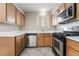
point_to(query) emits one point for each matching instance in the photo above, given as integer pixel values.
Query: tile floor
(37, 52)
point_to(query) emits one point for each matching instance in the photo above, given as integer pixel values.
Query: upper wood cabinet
(54, 19)
(18, 17)
(11, 13)
(77, 11)
(66, 5)
(61, 8)
(2, 12)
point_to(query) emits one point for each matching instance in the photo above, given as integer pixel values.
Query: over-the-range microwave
(67, 15)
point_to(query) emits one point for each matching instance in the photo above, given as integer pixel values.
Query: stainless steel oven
(58, 46)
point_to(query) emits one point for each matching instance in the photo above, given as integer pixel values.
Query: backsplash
(8, 27)
(69, 26)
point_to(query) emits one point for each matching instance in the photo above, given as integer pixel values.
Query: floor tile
(37, 52)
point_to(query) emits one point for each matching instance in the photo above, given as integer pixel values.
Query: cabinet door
(77, 11)
(23, 20)
(18, 18)
(47, 40)
(40, 40)
(61, 8)
(54, 19)
(7, 46)
(18, 45)
(2, 12)
(11, 13)
(66, 5)
(72, 52)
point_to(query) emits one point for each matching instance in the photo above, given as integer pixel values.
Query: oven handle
(58, 40)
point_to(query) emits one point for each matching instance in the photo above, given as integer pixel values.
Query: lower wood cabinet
(72, 52)
(40, 40)
(47, 40)
(7, 46)
(44, 40)
(18, 45)
(12, 46)
(72, 48)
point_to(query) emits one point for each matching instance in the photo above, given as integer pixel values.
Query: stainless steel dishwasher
(32, 39)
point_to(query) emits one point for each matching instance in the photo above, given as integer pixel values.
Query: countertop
(74, 38)
(17, 33)
(11, 33)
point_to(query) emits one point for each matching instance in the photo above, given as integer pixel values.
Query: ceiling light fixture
(43, 12)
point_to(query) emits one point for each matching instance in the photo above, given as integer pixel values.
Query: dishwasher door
(32, 40)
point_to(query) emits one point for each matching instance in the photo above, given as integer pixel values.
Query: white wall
(32, 21)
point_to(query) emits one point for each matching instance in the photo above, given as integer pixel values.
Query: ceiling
(37, 7)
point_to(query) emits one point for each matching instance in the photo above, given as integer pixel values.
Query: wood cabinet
(44, 40)
(61, 8)
(11, 13)
(66, 5)
(77, 11)
(18, 17)
(72, 48)
(40, 40)
(18, 45)
(2, 12)
(54, 19)
(47, 39)
(7, 46)
(72, 52)
(12, 46)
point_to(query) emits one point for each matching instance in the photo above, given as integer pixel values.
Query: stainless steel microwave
(67, 15)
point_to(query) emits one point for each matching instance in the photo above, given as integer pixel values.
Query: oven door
(58, 46)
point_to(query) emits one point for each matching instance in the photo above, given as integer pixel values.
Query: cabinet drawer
(73, 44)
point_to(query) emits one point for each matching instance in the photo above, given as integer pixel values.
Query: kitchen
(39, 29)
